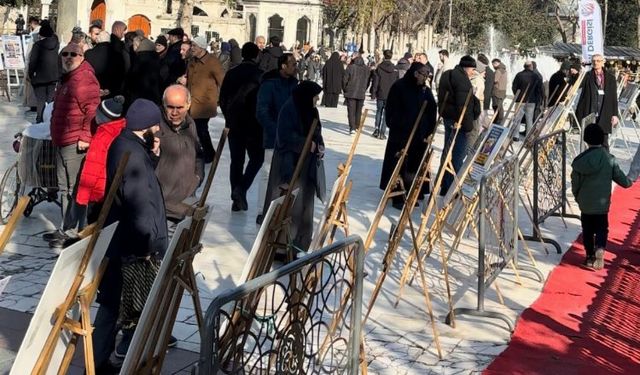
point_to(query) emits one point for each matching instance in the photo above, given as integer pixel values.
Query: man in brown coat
(204, 78)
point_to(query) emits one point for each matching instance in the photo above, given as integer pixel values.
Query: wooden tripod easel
(16, 215)
(336, 215)
(78, 296)
(148, 348)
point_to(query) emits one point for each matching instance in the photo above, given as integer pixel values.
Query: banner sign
(591, 29)
(12, 50)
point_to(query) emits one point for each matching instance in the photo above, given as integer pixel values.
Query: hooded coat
(403, 66)
(238, 99)
(454, 85)
(384, 76)
(236, 54)
(356, 80)
(44, 62)
(588, 102)
(591, 176)
(402, 108)
(332, 74)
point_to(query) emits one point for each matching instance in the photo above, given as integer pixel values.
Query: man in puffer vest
(75, 103)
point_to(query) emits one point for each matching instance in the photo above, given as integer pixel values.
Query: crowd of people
(119, 93)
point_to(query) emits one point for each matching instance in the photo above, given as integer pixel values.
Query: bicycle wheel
(10, 189)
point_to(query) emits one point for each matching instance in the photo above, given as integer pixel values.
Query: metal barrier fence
(549, 183)
(302, 318)
(498, 232)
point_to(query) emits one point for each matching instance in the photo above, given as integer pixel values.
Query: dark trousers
(595, 230)
(498, 107)
(354, 111)
(381, 124)
(68, 164)
(239, 145)
(457, 156)
(44, 94)
(202, 127)
(105, 330)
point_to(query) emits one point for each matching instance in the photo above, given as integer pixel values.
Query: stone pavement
(398, 340)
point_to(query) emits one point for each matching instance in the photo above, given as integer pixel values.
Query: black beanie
(161, 39)
(46, 31)
(593, 135)
(109, 109)
(250, 51)
(142, 115)
(467, 61)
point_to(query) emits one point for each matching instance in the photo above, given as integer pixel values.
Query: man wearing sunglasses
(75, 103)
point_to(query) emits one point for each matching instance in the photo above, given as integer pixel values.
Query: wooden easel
(155, 331)
(80, 296)
(336, 216)
(11, 225)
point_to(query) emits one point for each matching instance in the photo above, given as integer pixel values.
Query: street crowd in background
(117, 92)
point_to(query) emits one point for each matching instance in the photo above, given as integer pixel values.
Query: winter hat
(250, 51)
(467, 62)
(145, 46)
(225, 47)
(480, 67)
(593, 135)
(109, 109)
(45, 30)
(162, 40)
(566, 65)
(142, 115)
(178, 31)
(408, 55)
(200, 41)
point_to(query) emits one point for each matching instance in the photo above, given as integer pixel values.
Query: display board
(12, 51)
(489, 148)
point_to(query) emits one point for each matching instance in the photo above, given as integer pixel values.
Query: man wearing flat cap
(453, 88)
(204, 78)
(141, 238)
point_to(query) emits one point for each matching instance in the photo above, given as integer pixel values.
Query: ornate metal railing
(498, 232)
(549, 183)
(304, 318)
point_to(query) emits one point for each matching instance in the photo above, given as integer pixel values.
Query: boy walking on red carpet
(593, 171)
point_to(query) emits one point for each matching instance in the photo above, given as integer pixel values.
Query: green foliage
(622, 23)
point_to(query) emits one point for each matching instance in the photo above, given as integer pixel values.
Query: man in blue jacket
(276, 88)
(140, 239)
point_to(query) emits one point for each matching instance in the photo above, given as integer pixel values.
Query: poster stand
(150, 341)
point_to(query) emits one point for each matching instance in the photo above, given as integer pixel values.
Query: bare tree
(185, 15)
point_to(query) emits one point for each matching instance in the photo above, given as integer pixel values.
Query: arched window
(99, 12)
(199, 12)
(302, 30)
(139, 22)
(276, 27)
(252, 27)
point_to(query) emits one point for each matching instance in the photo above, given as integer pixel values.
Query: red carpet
(585, 322)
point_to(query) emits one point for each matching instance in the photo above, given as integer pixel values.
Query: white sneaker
(599, 262)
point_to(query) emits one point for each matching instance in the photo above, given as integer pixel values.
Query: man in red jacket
(75, 103)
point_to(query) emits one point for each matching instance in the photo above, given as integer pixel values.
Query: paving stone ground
(397, 340)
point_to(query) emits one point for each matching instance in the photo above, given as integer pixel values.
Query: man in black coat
(99, 57)
(119, 60)
(174, 66)
(489, 78)
(558, 84)
(141, 235)
(599, 96)
(405, 99)
(453, 89)
(354, 85)
(384, 76)
(143, 79)
(270, 55)
(528, 85)
(44, 67)
(238, 96)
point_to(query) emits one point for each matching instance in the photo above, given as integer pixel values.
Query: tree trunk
(604, 22)
(185, 16)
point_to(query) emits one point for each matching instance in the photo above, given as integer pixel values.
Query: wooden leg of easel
(498, 292)
(195, 296)
(68, 356)
(363, 358)
(87, 340)
(16, 215)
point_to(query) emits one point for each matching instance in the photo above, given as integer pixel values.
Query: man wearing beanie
(140, 240)
(43, 68)
(453, 88)
(238, 97)
(161, 46)
(204, 78)
(75, 103)
(558, 84)
(591, 176)
(93, 177)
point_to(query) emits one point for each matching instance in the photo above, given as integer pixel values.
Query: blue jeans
(529, 114)
(381, 123)
(458, 153)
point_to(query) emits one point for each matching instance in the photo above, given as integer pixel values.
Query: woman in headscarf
(236, 54)
(332, 74)
(294, 123)
(405, 99)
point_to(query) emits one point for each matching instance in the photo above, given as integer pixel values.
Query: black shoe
(62, 243)
(236, 196)
(516, 139)
(55, 235)
(235, 206)
(351, 131)
(123, 346)
(375, 134)
(588, 262)
(108, 368)
(259, 219)
(382, 136)
(173, 342)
